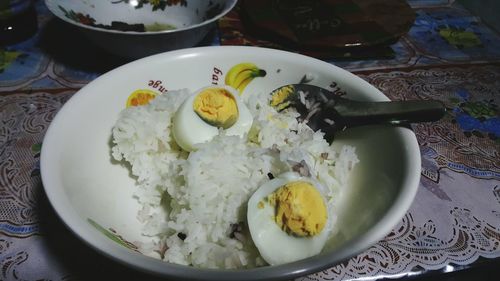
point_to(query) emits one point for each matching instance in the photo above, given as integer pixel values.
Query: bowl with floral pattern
(138, 28)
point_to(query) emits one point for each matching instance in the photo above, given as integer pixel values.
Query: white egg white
(275, 245)
(189, 129)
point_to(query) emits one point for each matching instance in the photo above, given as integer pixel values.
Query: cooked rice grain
(201, 195)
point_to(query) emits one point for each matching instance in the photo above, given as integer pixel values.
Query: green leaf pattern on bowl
(78, 17)
(111, 234)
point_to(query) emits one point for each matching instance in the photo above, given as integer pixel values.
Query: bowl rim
(229, 5)
(55, 194)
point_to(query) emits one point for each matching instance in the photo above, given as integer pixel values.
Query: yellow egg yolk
(300, 209)
(279, 97)
(217, 107)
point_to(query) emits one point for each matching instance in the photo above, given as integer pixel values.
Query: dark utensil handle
(355, 113)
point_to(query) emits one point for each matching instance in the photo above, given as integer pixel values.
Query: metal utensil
(325, 110)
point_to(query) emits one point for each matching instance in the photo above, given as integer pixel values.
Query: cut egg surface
(288, 218)
(208, 110)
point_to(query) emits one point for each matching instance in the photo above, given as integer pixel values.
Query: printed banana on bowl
(240, 75)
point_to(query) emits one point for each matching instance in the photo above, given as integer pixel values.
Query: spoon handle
(355, 113)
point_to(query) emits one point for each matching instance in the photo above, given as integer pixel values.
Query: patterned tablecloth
(448, 54)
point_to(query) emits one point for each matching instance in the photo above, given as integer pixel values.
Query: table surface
(453, 223)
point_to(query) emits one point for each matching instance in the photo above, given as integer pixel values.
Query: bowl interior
(159, 16)
(93, 194)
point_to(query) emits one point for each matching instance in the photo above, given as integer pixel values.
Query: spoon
(325, 110)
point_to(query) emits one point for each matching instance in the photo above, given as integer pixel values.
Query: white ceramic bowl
(182, 23)
(91, 194)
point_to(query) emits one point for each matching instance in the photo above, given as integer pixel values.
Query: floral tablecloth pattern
(448, 54)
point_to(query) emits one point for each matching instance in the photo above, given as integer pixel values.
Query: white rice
(200, 195)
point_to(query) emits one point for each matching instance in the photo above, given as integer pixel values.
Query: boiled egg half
(209, 109)
(288, 219)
